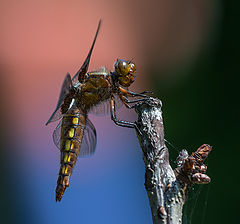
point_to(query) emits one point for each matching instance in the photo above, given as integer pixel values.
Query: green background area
(203, 107)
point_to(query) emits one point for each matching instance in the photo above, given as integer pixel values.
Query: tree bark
(166, 188)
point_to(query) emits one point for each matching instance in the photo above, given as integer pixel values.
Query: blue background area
(107, 187)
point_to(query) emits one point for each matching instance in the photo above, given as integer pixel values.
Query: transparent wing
(103, 108)
(67, 84)
(89, 140)
(84, 67)
(57, 135)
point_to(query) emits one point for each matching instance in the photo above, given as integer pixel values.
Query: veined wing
(103, 108)
(67, 84)
(83, 70)
(89, 142)
(88, 145)
(57, 135)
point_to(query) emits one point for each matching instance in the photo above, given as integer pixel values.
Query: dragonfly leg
(149, 92)
(134, 101)
(126, 101)
(122, 123)
(130, 93)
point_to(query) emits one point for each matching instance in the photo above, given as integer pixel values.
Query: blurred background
(185, 51)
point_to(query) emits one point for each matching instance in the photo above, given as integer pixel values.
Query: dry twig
(166, 188)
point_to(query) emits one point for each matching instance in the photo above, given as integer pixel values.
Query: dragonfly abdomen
(72, 131)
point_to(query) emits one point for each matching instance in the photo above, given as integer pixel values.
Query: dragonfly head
(125, 72)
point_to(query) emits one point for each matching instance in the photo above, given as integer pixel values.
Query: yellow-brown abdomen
(72, 130)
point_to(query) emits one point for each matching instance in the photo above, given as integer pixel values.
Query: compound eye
(122, 67)
(124, 64)
(132, 67)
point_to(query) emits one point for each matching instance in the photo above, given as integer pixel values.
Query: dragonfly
(97, 92)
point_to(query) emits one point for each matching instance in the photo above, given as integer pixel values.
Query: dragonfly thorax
(125, 71)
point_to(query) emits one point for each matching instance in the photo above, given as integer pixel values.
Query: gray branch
(166, 188)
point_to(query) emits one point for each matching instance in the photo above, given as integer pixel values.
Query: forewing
(67, 84)
(83, 70)
(57, 135)
(103, 107)
(89, 140)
